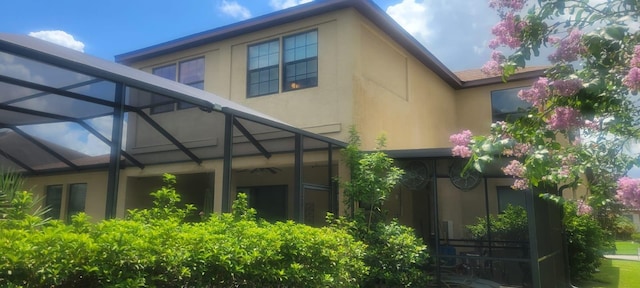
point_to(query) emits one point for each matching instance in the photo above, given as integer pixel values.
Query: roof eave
(229, 31)
(365, 7)
(498, 79)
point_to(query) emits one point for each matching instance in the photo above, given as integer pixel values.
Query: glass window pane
(77, 197)
(254, 77)
(253, 89)
(312, 37)
(274, 47)
(263, 49)
(273, 85)
(264, 75)
(192, 71)
(273, 59)
(301, 68)
(263, 63)
(53, 201)
(289, 56)
(167, 72)
(301, 40)
(301, 58)
(312, 50)
(312, 66)
(289, 42)
(264, 87)
(253, 63)
(506, 105)
(273, 74)
(253, 50)
(199, 85)
(300, 53)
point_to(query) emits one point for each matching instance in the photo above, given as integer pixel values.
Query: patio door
(270, 202)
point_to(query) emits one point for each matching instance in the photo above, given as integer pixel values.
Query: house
(269, 107)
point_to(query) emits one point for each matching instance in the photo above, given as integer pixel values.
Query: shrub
(624, 227)
(586, 241)
(635, 237)
(394, 255)
(163, 251)
(585, 237)
(511, 225)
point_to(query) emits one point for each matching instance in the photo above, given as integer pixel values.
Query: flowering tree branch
(583, 115)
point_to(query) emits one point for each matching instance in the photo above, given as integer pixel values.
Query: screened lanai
(64, 111)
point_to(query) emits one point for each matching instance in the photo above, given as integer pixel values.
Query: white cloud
(59, 37)
(455, 31)
(283, 4)
(235, 10)
(73, 136)
(414, 17)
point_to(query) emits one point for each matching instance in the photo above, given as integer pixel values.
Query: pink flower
(493, 67)
(515, 168)
(593, 125)
(463, 138)
(520, 184)
(632, 80)
(507, 32)
(461, 142)
(567, 87)
(507, 4)
(521, 149)
(569, 48)
(461, 151)
(537, 93)
(518, 150)
(628, 192)
(583, 208)
(564, 118)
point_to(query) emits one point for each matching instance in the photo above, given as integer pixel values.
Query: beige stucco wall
(397, 95)
(96, 190)
(365, 78)
(325, 109)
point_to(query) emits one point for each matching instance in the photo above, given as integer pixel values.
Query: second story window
(300, 61)
(189, 72)
(299, 64)
(507, 106)
(263, 74)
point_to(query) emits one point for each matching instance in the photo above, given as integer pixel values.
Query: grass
(627, 248)
(615, 274)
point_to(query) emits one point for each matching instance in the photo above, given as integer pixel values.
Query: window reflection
(506, 105)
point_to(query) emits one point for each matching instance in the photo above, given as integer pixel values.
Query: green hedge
(221, 252)
(155, 248)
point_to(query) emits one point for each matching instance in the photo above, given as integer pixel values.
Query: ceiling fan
(262, 170)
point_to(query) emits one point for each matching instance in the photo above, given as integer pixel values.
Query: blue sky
(448, 28)
(455, 31)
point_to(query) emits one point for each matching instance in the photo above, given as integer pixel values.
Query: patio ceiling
(51, 96)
